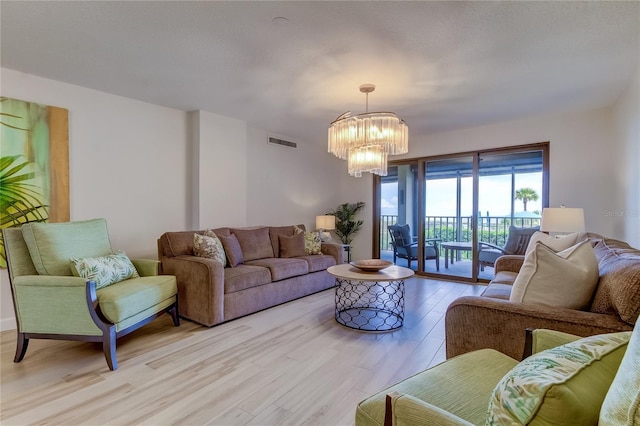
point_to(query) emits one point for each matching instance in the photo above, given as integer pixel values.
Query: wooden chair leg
(21, 347)
(174, 314)
(109, 348)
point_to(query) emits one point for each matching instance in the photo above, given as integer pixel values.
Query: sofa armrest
(200, 287)
(406, 410)
(146, 267)
(335, 250)
(476, 322)
(56, 305)
(509, 263)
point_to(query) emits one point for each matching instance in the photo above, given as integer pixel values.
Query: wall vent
(282, 142)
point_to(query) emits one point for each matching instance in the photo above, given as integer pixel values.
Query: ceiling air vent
(282, 142)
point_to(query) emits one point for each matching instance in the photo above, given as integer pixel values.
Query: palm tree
(526, 195)
(346, 225)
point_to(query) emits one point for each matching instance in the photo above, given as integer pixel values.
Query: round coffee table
(370, 301)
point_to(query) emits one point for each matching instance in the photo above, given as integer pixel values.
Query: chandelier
(366, 140)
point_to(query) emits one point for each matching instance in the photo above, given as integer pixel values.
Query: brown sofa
(492, 321)
(210, 293)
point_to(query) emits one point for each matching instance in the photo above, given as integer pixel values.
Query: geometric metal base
(370, 305)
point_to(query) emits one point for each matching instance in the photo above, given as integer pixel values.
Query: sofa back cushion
(276, 231)
(255, 243)
(618, 290)
(51, 245)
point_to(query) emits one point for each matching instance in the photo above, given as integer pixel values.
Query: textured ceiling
(439, 65)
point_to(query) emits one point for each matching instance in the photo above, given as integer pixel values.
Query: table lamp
(325, 223)
(562, 220)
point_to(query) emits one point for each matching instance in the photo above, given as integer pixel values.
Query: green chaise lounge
(51, 303)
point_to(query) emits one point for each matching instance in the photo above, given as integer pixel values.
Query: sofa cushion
(104, 270)
(553, 242)
(125, 299)
(441, 386)
(180, 243)
(621, 406)
(319, 262)
(209, 246)
(498, 291)
(618, 290)
(255, 243)
(566, 279)
(292, 246)
(232, 250)
(505, 277)
(562, 385)
(281, 268)
(243, 277)
(51, 245)
(276, 231)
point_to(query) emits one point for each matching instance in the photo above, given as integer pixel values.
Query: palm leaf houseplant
(346, 224)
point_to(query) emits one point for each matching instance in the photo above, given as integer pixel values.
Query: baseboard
(8, 324)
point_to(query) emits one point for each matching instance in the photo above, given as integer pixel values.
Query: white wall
(149, 169)
(582, 163)
(626, 215)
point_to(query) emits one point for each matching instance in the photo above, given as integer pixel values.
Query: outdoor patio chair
(517, 243)
(406, 247)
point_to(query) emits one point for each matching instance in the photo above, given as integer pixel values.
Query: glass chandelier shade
(370, 159)
(366, 140)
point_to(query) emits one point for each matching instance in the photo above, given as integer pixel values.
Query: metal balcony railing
(491, 229)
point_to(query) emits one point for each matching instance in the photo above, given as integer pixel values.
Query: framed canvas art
(34, 164)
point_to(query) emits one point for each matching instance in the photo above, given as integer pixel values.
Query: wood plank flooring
(288, 365)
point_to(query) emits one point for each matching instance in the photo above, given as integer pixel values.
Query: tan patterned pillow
(312, 243)
(208, 245)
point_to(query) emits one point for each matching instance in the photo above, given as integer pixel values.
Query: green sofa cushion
(125, 299)
(461, 386)
(621, 406)
(51, 245)
(560, 386)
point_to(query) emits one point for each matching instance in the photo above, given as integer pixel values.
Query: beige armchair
(51, 303)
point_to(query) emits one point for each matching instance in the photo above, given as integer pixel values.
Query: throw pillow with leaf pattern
(104, 270)
(209, 245)
(312, 243)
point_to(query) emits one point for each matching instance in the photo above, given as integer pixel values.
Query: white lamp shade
(326, 222)
(564, 220)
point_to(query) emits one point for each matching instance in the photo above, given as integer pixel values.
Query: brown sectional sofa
(492, 321)
(210, 293)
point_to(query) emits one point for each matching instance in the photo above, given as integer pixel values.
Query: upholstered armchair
(565, 380)
(109, 297)
(517, 243)
(405, 247)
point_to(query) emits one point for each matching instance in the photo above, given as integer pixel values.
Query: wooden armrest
(483, 245)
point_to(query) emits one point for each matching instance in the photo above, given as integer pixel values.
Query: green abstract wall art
(34, 164)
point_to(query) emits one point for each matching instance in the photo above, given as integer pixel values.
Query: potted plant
(346, 224)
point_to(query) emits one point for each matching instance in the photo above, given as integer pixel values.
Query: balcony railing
(492, 229)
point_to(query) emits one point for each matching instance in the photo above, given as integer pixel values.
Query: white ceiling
(439, 65)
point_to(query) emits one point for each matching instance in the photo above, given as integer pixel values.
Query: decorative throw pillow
(566, 279)
(312, 243)
(554, 243)
(292, 246)
(104, 270)
(563, 385)
(232, 249)
(208, 245)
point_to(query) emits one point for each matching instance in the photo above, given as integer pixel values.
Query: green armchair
(567, 381)
(51, 303)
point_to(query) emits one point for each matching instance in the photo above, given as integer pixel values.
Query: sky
(494, 195)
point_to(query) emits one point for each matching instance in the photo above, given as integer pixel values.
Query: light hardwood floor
(288, 365)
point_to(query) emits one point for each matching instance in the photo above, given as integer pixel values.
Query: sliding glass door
(459, 211)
